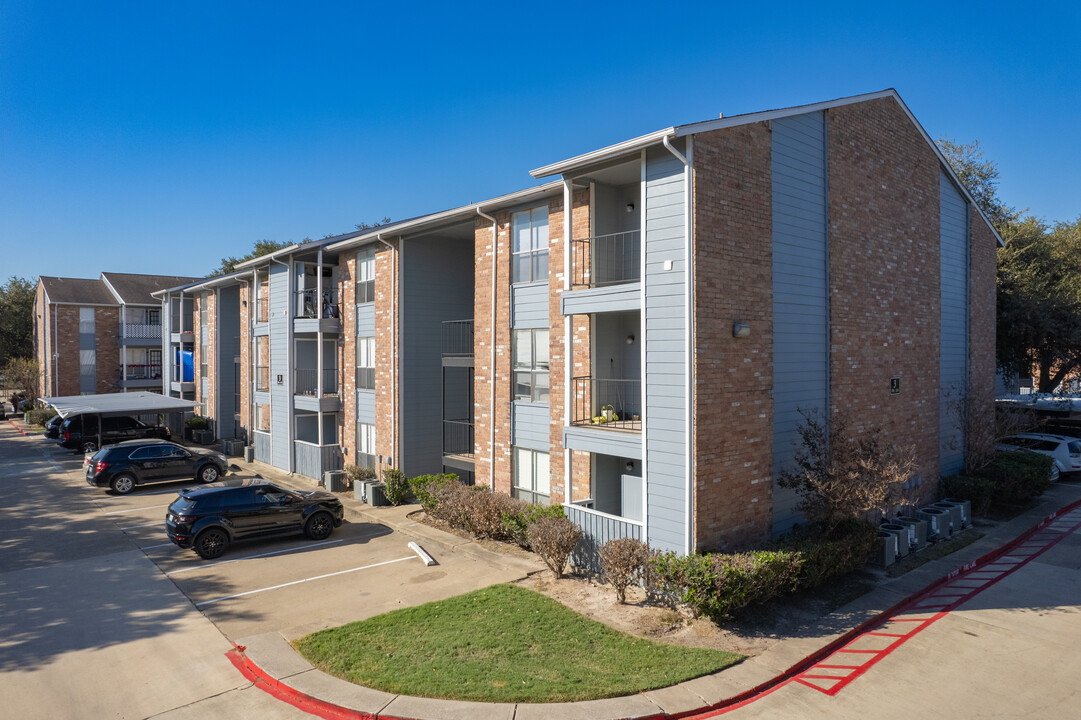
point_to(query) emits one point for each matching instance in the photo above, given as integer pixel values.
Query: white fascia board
(456, 214)
(268, 256)
(624, 148)
(109, 285)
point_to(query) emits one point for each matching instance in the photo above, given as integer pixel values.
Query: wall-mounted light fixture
(741, 330)
(630, 207)
(630, 339)
(630, 466)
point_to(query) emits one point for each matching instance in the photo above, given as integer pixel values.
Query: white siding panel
(529, 305)
(281, 397)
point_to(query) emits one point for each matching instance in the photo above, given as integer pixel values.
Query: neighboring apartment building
(643, 357)
(101, 335)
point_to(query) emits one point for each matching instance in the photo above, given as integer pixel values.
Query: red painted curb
(21, 431)
(323, 709)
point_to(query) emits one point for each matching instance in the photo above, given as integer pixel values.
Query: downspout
(394, 348)
(568, 348)
(491, 362)
(688, 366)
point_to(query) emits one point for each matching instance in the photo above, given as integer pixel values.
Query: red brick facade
(387, 419)
(733, 406)
(347, 292)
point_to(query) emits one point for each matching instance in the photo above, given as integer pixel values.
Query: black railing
(309, 304)
(307, 382)
(262, 378)
(143, 372)
(457, 437)
(457, 338)
(606, 260)
(610, 404)
(365, 291)
(365, 378)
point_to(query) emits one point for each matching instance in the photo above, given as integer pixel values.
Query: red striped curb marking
(21, 431)
(812, 671)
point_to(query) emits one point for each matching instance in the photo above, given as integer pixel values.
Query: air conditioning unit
(966, 510)
(334, 480)
(938, 522)
(901, 533)
(917, 531)
(956, 514)
(885, 549)
(232, 448)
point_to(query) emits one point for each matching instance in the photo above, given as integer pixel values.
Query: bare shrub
(622, 560)
(982, 424)
(554, 538)
(452, 503)
(840, 474)
(487, 513)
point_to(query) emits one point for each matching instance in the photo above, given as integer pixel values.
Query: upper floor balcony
(140, 334)
(607, 404)
(606, 274)
(457, 343)
(142, 375)
(315, 312)
(306, 389)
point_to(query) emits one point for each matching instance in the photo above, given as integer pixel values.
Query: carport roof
(136, 403)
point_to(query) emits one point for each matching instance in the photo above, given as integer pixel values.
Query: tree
(373, 226)
(21, 374)
(980, 178)
(262, 247)
(17, 319)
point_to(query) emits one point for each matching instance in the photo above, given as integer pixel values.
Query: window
(365, 363)
(262, 417)
(365, 445)
(153, 317)
(365, 276)
(532, 480)
(529, 231)
(531, 365)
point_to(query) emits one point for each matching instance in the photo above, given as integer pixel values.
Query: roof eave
(591, 158)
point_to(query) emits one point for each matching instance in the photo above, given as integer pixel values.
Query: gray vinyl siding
(436, 286)
(604, 442)
(366, 320)
(665, 298)
(953, 358)
(596, 531)
(228, 350)
(800, 292)
(366, 407)
(280, 338)
(529, 305)
(611, 298)
(529, 426)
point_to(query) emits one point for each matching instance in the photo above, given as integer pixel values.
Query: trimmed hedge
(1011, 478)
(424, 486)
(39, 416)
(823, 558)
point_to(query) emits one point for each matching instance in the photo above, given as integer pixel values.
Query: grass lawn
(501, 644)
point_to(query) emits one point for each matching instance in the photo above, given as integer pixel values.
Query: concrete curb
(277, 661)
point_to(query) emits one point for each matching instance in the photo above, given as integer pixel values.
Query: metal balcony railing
(262, 378)
(458, 437)
(365, 378)
(457, 338)
(262, 313)
(142, 331)
(142, 372)
(606, 260)
(307, 382)
(607, 404)
(310, 306)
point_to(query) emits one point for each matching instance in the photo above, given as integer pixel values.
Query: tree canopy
(980, 178)
(17, 318)
(265, 247)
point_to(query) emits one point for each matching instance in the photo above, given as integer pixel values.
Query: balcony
(262, 378)
(313, 314)
(608, 404)
(306, 390)
(313, 460)
(457, 343)
(140, 334)
(606, 260)
(145, 375)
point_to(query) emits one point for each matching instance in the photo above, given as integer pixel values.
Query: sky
(157, 138)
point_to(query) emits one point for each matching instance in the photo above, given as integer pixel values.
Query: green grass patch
(501, 644)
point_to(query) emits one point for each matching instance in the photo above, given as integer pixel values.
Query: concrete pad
(274, 655)
(675, 700)
(247, 704)
(620, 708)
(318, 684)
(415, 708)
(784, 655)
(730, 682)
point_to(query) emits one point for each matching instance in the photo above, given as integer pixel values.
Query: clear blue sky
(158, 137)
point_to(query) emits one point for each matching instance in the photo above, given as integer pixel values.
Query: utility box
(376, 495)
(232, 448)
(901, 532)
(955, 512)
(334, 480)
(885, 549)
(917, 531)
(966, 510)
(249, 453)
(938, 522)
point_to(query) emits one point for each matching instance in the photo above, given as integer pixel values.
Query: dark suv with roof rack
(211, 517)
(80, 432)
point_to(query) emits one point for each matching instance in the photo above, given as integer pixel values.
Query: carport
(117, 404)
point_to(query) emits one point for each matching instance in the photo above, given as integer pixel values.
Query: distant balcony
(457, 342)
(142, 372)
(307, 382)
(608, 404)
(458, 438)
(606, 260)
(262, 378)
(309, 305)
(135, 332)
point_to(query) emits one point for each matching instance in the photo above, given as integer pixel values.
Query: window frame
(534, 369)
(534, 492)
(365, 277)
(530, 257)
(368, 344)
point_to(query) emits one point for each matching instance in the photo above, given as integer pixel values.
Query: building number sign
(895, 386)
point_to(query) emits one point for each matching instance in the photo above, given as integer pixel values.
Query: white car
(1065, 451)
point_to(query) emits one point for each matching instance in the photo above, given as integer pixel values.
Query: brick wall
(247, 307)
(43, 327)
(884, 276)
(386, 398)
(733, 407)
(347, 267)
(212, 364)
(107, 348)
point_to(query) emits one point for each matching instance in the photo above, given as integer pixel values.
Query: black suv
(80, 432)
(134, 462)
(210, 517)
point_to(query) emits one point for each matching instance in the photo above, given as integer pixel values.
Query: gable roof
(77, 291)
(633, 145)
(137, 289)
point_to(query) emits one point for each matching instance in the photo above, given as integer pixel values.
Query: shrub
(196, 422)
(424, 487)
(554, 538)
(720, 585)
(396, 486)
(824, 556)
(39, 416)
(1018, 476)
(622, 561)
(476, 510)
(980, 491)
(358, 473)
(516, 525)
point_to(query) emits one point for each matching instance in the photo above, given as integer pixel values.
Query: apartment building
(637, 338)
(99, 335)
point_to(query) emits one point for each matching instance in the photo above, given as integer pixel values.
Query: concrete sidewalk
(270, 661)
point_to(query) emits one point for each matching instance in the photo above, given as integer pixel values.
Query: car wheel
(209, 473)
(319, 526)
(211, 543)
(1055, 473)
(89, 447)
(122, 484)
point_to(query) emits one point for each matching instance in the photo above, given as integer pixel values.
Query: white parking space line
(138, 509)
(132, 527)
(298, 582)
(250, 557)
(151, 547)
